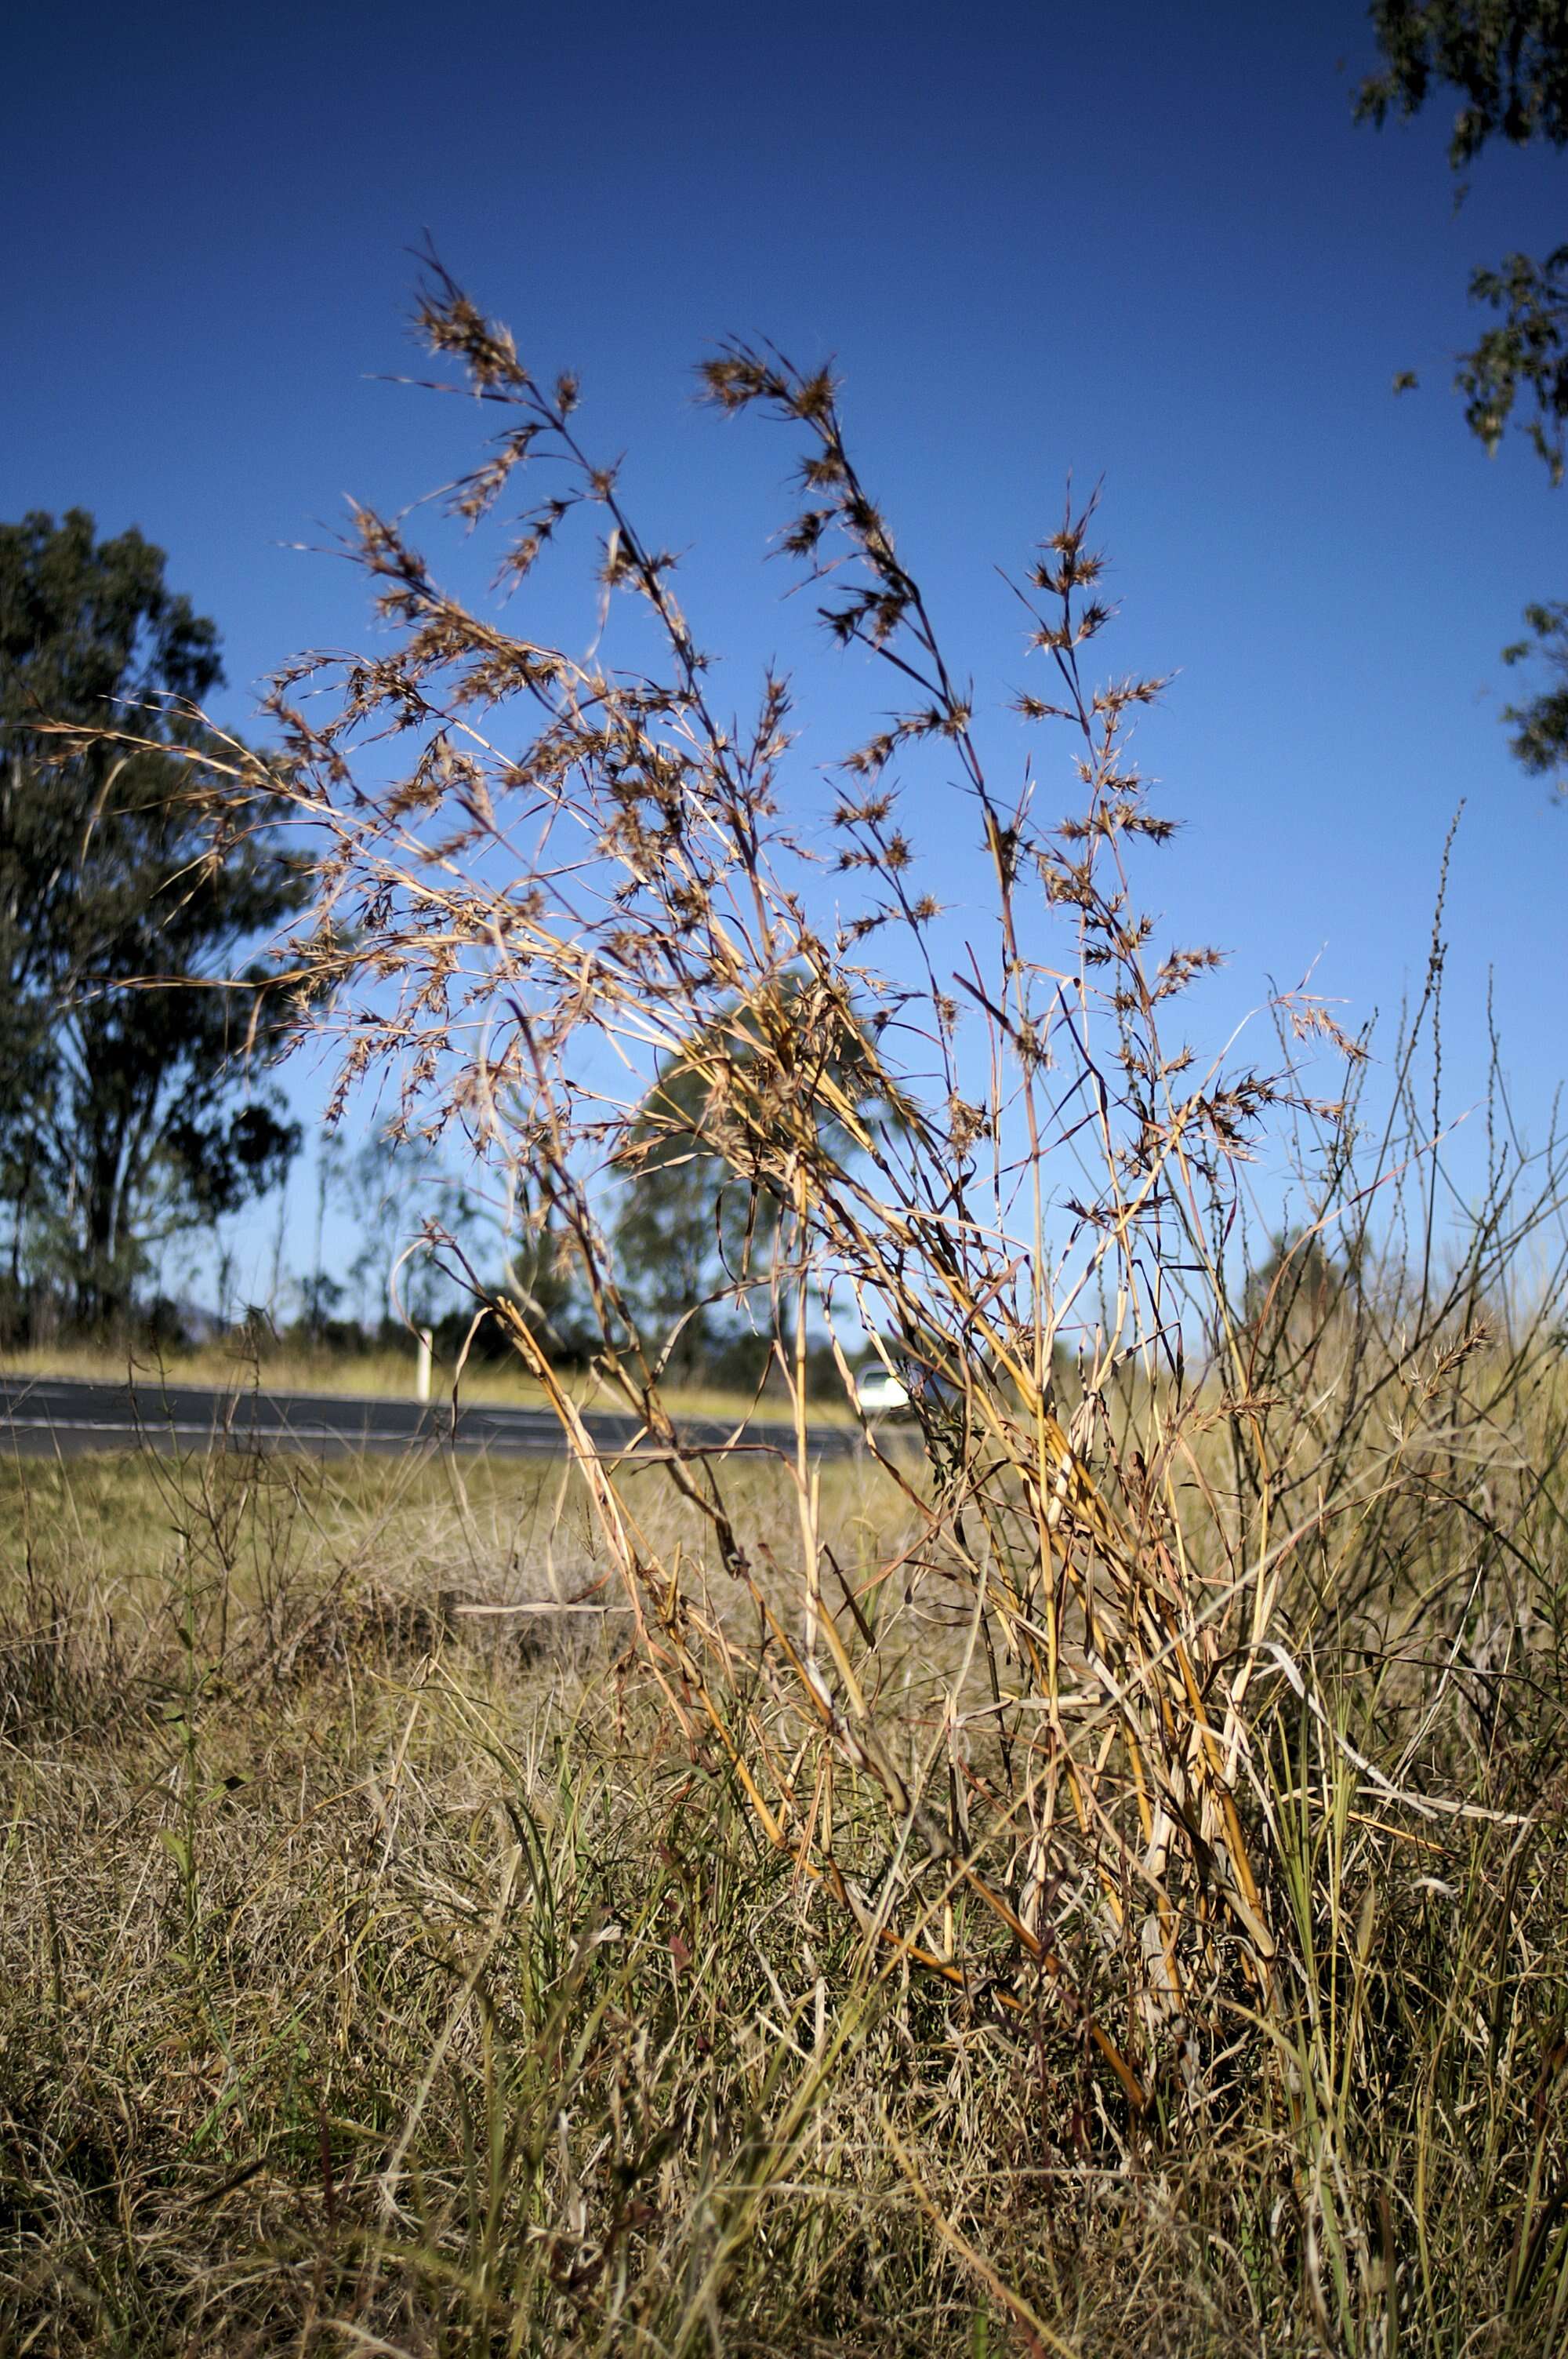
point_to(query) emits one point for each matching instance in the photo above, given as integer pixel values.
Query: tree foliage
(128, 1109)
(1507, 59)
(1507, 62)
(1525, 355)
(703, 1215)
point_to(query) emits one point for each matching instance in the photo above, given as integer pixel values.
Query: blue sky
(1127, 242)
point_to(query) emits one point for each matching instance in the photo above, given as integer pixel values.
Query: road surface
(50, 1416)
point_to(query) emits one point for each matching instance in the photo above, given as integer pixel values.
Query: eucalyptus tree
(134, 1033)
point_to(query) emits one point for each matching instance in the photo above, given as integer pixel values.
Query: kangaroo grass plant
(1102, 1874)
(623, 889)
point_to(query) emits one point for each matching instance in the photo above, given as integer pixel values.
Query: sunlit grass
(380, 1972)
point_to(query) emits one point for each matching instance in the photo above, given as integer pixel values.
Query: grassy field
(382, 1971)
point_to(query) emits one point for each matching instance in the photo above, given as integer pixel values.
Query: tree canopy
(1508, 62)
(701, 1224)
(128, 1108)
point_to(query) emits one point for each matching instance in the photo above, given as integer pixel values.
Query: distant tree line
(139, 1106)
(138, 1101)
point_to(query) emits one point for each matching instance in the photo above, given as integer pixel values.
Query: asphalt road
(49, 1416)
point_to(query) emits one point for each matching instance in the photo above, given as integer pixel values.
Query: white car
(878, 1392)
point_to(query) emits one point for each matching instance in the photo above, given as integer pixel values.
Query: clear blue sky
(1128, 241)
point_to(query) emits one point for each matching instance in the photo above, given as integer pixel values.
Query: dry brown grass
(379, 1975)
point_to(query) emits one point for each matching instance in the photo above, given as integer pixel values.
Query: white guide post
(422, 1374)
